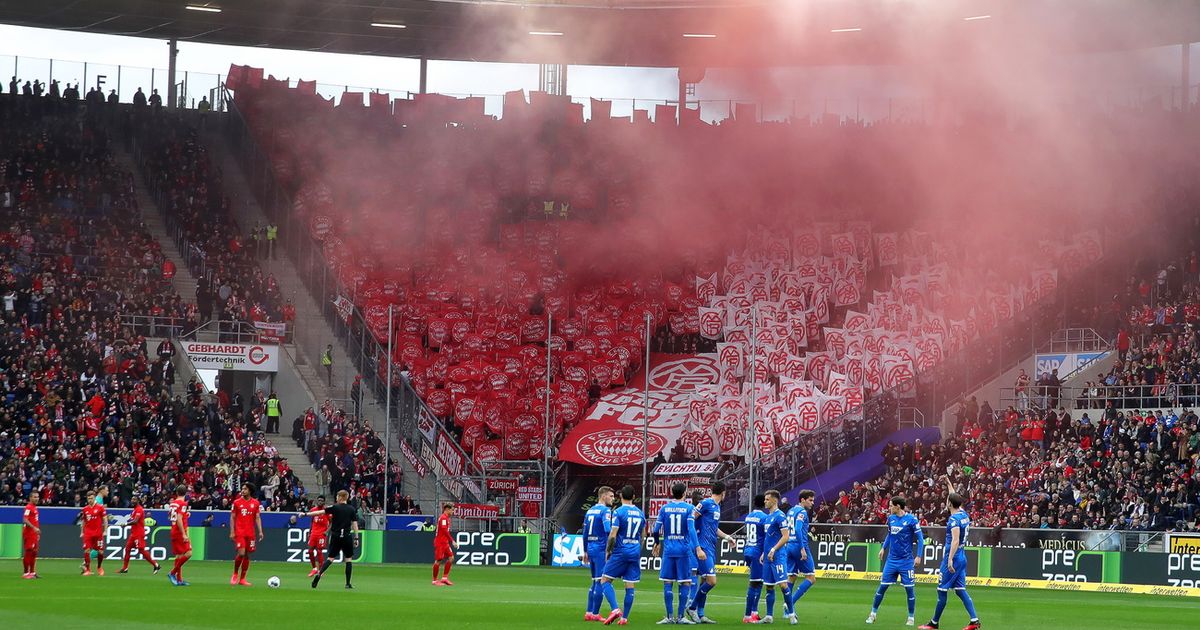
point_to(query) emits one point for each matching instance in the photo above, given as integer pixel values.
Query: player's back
(961, 521)
(755, 531)
(630, 524)
(795, 520)
(708, 521)
(902, 532)
(677, 528)
(597, 522)
(178, 511)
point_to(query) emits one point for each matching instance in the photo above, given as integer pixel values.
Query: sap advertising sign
(1065, 363)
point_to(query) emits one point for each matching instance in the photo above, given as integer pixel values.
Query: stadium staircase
(311, 332)
(183, 282)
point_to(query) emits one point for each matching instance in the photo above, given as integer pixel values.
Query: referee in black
(343, 535)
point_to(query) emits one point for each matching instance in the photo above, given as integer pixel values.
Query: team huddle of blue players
(686, 535)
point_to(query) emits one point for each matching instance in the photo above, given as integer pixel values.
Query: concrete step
(184, 282)
(312, 332)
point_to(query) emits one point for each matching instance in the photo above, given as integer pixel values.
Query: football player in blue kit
(708, 530)
(774, 562)
(903, 532)
(755, 538)
(953, 573)
(624, 552)
(674, 536)
(597, 524)
(800, 558)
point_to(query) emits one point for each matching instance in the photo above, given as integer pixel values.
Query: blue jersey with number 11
(676, 529)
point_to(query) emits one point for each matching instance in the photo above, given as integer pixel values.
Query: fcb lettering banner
(611, 434)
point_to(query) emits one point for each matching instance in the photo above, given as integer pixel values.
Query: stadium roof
(635, 32)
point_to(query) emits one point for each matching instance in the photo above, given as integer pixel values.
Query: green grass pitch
(398, 596)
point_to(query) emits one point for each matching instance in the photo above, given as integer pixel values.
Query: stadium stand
(84, 405)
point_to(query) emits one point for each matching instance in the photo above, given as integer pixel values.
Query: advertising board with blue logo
(1065, 363)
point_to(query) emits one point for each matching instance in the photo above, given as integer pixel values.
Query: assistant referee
(343, 535)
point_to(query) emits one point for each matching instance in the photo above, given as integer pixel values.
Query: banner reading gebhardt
(232, 356)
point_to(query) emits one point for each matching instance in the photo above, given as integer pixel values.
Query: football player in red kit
(93, 517)
(181, 543)
(31, 535)
(245, 531)
(443, 555)
(316, 536)
(137, 537)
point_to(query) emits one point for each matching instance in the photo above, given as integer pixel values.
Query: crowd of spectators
(83, 403)
(1128, 472)
(348, 455)
(189, 189)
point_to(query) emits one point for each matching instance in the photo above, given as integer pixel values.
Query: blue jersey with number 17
(961, 521)
(597, 522)
(630, 524)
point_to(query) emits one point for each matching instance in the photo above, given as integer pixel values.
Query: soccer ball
(273, 582)
(150, 522)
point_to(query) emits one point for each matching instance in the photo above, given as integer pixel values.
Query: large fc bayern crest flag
(611, 434)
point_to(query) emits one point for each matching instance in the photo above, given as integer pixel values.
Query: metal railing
(1162, 396)
(1075, 340)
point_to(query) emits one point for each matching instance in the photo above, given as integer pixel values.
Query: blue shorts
(627, 568)
(707, 566)
(954, 581)
(675, 569)
(796, 566)
(596, 560)
(775, 572)
(693, 563)
(898, 571)
(754, 563)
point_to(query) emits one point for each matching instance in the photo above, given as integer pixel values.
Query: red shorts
(93, 542)
(248, 543)
(179, 546)
(136, 542)
(316, 542)
(442, 551)
(29, 543)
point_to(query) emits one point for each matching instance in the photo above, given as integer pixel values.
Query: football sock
(941, 606)
(669, 599)
(437, 568)
(349, 571)
(879, 597)
(446, 573)
(752, 595)
(87, 561)
(799, 590)
(325, 565)
(912, 600)
(237, 564)
(702, 597)
(591, 599)
(685, 591)
(966, 600)
(770, 602)
(786, 591)
(610, 594)
(245, 566)
(628, 603)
